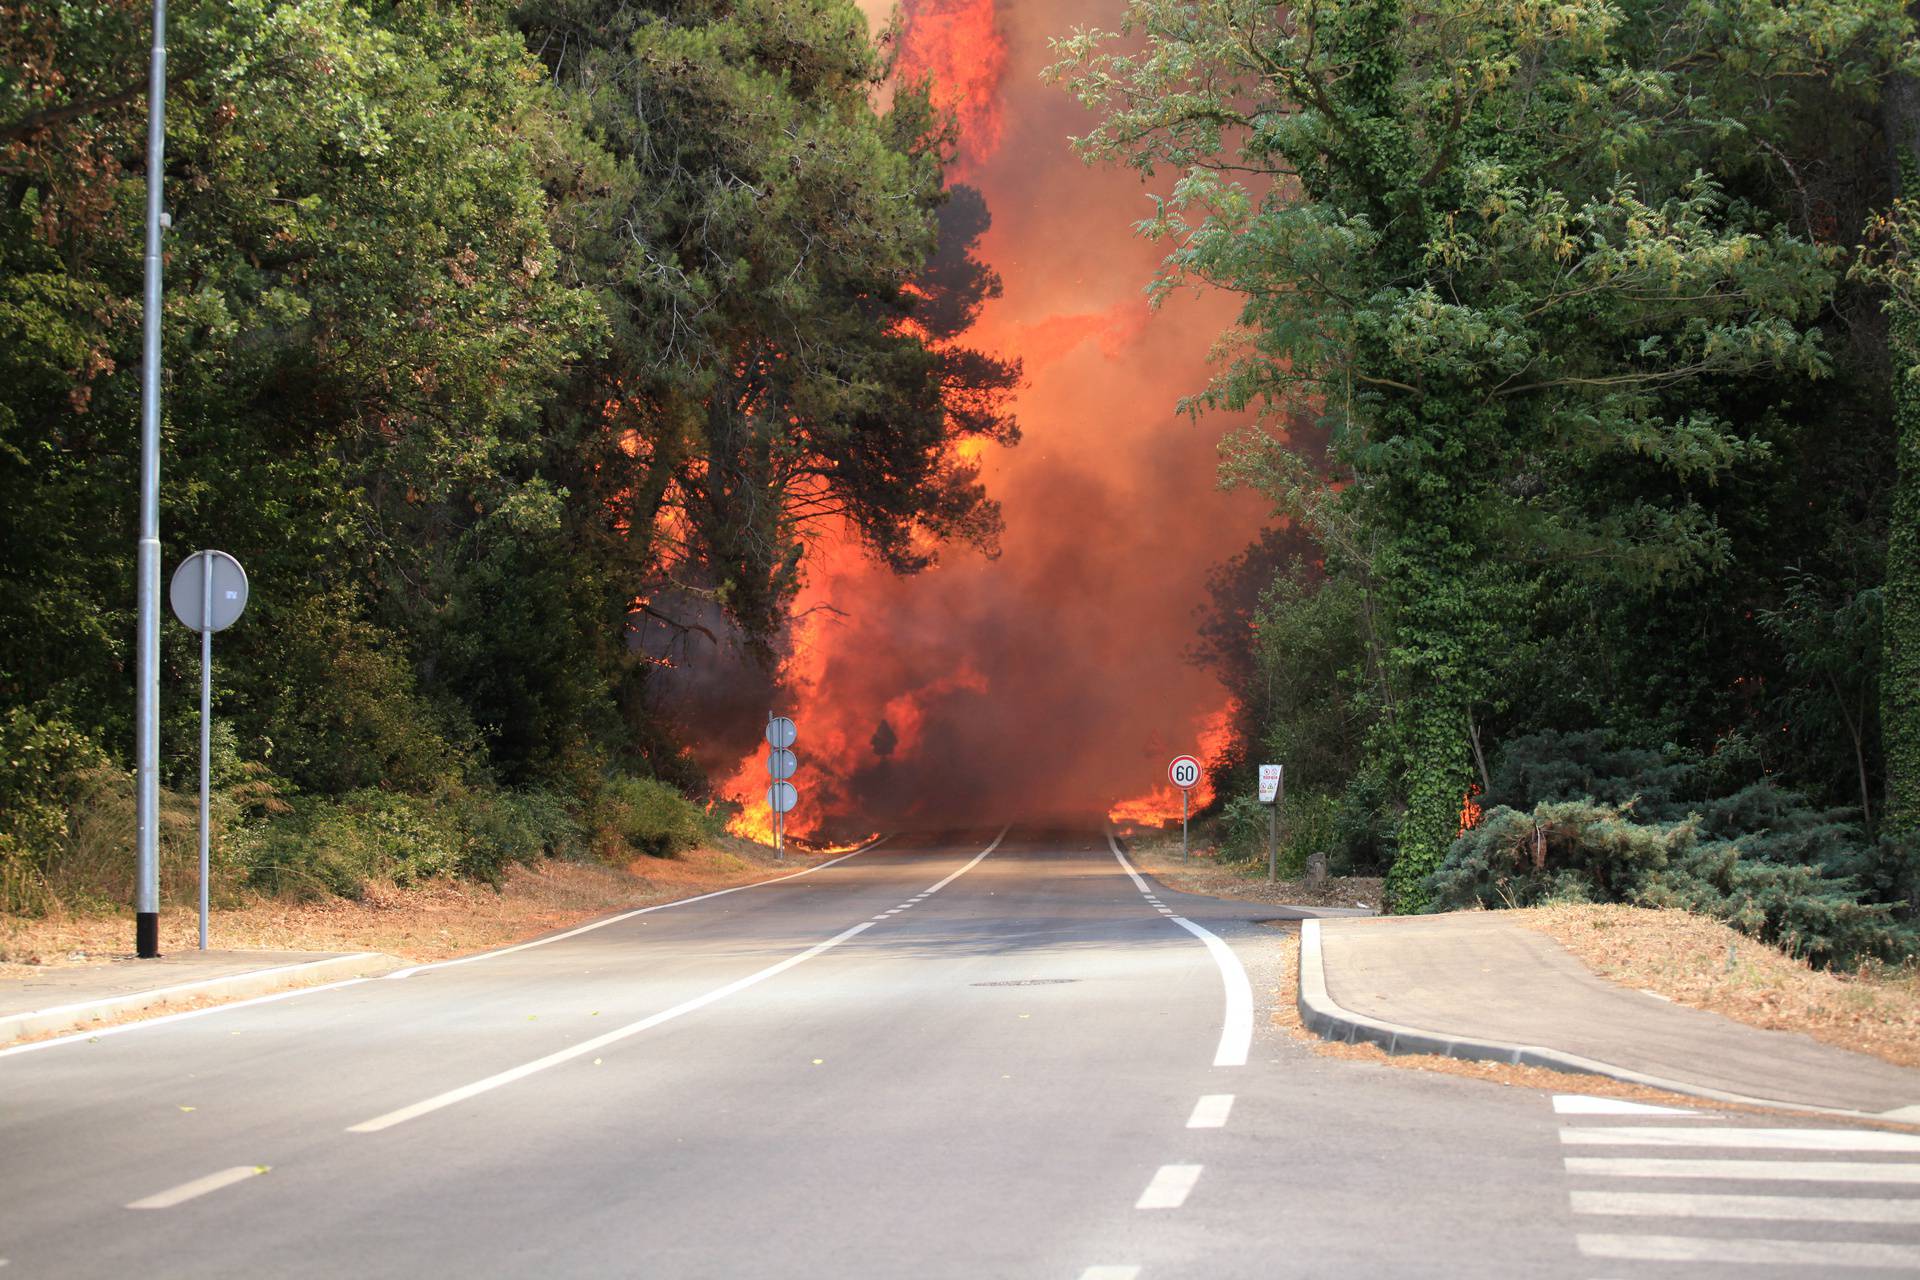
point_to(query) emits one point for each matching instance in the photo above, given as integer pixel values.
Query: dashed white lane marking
(1170, 1187)
(1762, 1139)
(199, 1187)
(1660, 1204)
(1211, 1111)
(1581, 1104)
(1823, 1254)
(1236, 1027)
(1745, 1170)
(585, 1047)
(628, 915)
(1110, 1273)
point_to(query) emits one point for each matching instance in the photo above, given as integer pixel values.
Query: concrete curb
(237, 986)
(1330, 1021)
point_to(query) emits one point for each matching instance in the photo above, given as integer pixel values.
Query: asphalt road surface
(959, 1054)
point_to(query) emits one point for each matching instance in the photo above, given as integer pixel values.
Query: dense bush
(1583, 850)
(650, 816)
(1307, 824)
(42, 760)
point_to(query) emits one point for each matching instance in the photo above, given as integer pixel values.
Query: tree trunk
(1900, 676)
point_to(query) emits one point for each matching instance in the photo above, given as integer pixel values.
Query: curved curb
(82, 1014)
(1330, 1021)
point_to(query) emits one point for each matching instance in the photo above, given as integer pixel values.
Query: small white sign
(1184, 772)
(1269, 782)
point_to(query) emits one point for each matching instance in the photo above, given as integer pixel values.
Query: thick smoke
(1055, 679)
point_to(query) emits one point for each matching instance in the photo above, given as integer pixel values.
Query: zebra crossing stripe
(1661, 1204)
(1790, 1253)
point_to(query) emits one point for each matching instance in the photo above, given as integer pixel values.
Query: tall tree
(1488, 244)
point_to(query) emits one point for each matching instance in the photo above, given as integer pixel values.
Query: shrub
(337, 846)
(1586, 851)
(44, 765)
(650, 816)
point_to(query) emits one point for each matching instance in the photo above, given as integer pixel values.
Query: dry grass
(1286, 1015)
(1695, 961)
(1159, 856)
(433, 921)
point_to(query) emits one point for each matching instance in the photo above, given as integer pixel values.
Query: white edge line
(1236, 1028)
(627, 915)
(182, 1016)
(526, 1069)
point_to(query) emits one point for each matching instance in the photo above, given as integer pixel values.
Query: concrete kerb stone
(79, 1015)
(1330, 1021)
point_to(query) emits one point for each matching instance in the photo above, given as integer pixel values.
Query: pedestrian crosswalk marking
(1664, 1204)
(1692, 1198)
(1745, 1170)
(1582, 1104)
(1764, 1139)
(1771, 1253)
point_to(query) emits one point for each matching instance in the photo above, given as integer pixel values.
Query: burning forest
(1053, 678)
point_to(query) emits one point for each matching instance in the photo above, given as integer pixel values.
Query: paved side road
(958, 1055)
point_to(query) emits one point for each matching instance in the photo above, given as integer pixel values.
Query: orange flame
(1469, 810)
(958, 44)
(1161, 805)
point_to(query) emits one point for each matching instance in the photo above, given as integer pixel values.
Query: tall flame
(958, 45)
(1053, 679)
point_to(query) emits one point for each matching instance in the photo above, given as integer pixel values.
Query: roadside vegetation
(495, 333)
(1582, 343)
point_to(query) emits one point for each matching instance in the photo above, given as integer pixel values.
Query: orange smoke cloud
(1054, 680)
(958, 45)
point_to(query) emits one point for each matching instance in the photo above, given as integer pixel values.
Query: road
(962, 1054)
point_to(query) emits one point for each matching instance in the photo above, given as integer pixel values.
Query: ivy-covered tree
(1513, 255)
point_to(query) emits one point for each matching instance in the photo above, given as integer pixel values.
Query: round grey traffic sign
(781, 763)
(781, 733)
(782, 796)
(187, 591)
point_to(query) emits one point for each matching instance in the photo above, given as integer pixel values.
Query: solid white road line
(199, 1187)
(1581, 1104)
(1764, 1139)
(1170, 1187)
(1823, 1254)
(161, 1021)
(521, 1072)
(628, 915)
(1110, 1273)
(1660, 1204)
(1745, 1170)
(1236, 1027)
(571, 1052)
(1211, 1111)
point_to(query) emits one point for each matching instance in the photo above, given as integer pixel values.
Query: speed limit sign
(1184, 772)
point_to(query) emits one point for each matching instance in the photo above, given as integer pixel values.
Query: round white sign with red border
(1184, 772)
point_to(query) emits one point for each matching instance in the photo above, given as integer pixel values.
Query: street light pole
(146, 696)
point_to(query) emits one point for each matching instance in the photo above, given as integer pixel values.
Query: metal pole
(146, 697)
(1273, 840)
(1183, 824)
(206, 730)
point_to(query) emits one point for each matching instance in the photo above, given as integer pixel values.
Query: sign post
(781, 762)
(208, 594)
(1273, 781)
(1184, 773)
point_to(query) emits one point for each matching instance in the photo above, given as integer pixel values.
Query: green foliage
(651, 816)
(1307, 825)
(42, 764)
(472, 359)
(1579, 850)
(1556, 286)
